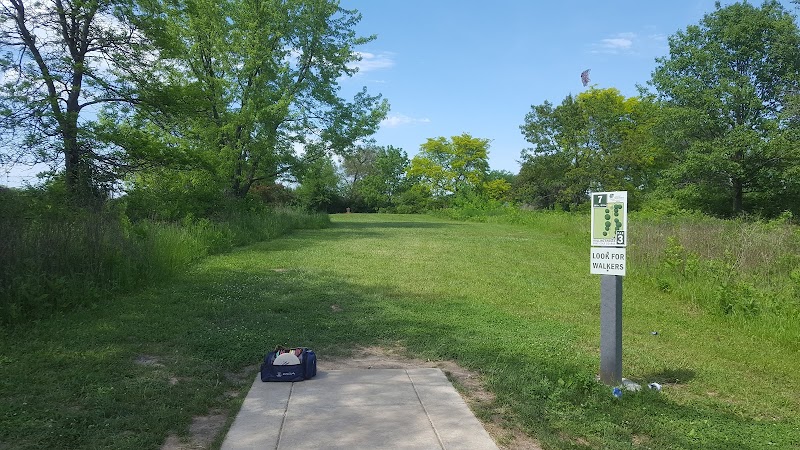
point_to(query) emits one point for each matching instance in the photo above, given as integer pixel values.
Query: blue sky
(454, 66)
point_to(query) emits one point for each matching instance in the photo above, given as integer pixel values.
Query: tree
(498, 184)
(376, 177)
(251, 81)
(360, 163)
(356, 166)
(61, 59)
(727, 81)
(448, 167)
(541, 182)
(596, 141)
(319, 186)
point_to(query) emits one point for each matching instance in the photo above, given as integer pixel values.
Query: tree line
(191, 103)
(714, 130)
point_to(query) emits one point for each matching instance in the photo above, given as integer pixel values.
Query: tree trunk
(737, 196)
(77, 169)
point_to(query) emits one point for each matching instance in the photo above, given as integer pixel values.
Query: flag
(585, 77)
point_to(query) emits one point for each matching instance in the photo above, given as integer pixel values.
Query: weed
(59, 262)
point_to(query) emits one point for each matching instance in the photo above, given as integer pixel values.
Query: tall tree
(596, 141)
(359, 164)
(256, 80)
(727, 80)
(319, 188)
(541, 181)
(449, 166)
(61, 59)
(376, 176)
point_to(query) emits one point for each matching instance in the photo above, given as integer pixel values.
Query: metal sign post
(611, 329)
(608, 259)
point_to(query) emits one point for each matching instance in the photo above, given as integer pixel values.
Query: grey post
(611, 329)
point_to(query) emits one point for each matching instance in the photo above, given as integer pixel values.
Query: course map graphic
(610, 219)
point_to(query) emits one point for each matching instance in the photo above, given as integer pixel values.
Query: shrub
(55, 258)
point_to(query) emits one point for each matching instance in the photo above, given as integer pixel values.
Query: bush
(56, 258)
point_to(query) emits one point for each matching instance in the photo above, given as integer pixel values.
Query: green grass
(514, 302)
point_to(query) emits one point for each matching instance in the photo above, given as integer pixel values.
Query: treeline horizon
(196, 114)
(715, 130)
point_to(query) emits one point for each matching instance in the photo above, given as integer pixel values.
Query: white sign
(610, 219)
(608, 261)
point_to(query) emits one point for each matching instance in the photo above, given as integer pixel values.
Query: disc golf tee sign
(610, 219)
(609, 233)
(609, 239)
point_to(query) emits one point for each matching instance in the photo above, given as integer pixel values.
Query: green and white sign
(610, 219)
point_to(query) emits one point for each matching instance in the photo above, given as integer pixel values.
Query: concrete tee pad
(347, 409)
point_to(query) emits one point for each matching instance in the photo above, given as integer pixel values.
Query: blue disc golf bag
(293, 372)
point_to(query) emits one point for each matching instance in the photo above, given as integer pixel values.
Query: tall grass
(56, 261)
(732, 267)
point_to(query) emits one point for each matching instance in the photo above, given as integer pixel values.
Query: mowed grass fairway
(515, 303)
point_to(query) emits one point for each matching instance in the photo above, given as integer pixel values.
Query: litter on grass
(616, 392)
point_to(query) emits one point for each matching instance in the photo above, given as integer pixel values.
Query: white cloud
(373, 61)
(617, 43)
(397, 120)
(622, 42)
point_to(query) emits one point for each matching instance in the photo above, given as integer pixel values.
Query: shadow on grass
(217, 320)
(391, 224)
(671, 376)
(526, 363)
(340, 230)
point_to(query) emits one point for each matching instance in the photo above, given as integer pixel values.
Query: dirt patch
(639, 440)
(202, 432)
(468, 383)
(205, 429)
(242, 377)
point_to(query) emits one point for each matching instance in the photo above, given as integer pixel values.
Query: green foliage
(319, 187)
(172, 195)
(718, 136)
(416, 200)
(56, 259)
(274, 194)
(726, 85)
(375, 177)
(60, 60)
(497, 190)
(245, 82)
(597, 141)
(734, 268)
(448, 167)
(541, 182)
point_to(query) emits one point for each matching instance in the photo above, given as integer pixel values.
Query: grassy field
(515, 303)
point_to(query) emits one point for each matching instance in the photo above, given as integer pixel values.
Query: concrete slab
(356, 427)
(346, 409)
(260, 419)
